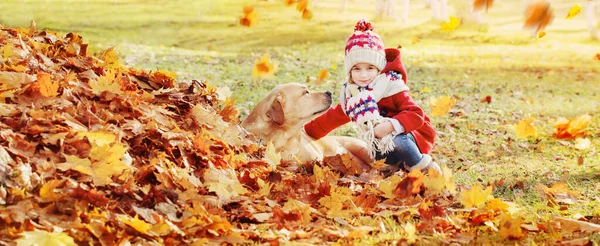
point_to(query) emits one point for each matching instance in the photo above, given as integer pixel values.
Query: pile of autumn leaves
(92, 152)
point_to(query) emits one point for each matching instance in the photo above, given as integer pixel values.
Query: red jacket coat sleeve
(327, 122)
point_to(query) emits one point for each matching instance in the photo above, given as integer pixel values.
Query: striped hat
(364, 46)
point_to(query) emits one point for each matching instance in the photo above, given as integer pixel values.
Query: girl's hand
(383, 129)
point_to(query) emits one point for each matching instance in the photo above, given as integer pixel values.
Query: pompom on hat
(364, 46)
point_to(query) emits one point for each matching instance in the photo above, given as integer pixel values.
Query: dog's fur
(280, 116)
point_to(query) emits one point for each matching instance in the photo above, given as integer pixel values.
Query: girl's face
(363, 74)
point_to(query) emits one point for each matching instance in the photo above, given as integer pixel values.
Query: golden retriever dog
(280, 116)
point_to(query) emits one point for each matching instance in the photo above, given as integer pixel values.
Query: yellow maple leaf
(48, 88)
(98, 137)
(106, 83)
(572, 128)
(442, 105)
(249, 17)
(47, 191)
(452, 24)
(44, 238)
(224, 183)
(510, 228)
(574, 11)
(272, 156)
(582, 143)
(475, 197)
(497, 205)
(136, 223)
(525, 128)
(333, 206)
(110, 59)
(107, 162)
(436, 182)
(387, 186)
(263, 67)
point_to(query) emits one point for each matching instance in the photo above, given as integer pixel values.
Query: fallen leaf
(442, 105)
(322, 76)
(572, 128)
(48, 88)
(582, 143)
(510, 228)
(525, 128)
(136, 223)
(45, 238)
(475, 197)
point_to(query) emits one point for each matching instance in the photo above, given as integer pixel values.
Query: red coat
(399, 106)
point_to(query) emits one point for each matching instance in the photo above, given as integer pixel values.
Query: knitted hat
(364, 46)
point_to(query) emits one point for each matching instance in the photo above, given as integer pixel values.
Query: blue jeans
(406, 152)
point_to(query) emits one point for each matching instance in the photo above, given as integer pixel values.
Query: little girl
(376, 99)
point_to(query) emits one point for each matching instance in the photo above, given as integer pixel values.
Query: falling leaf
(452, 24)
(442, 105)
(510, 228)
(415, 40)
(480, 4)
(538, 15)
(263, 67)
(48, 88)
(137, 224)
(323, 75)
(582, 143)
(475, 197)
(307, 14)
(289, 2)
(249, 17)
(541, 34)
(302, 5)
(597, 57)
(574, 11)
(525, 128)
(572, 128)
(37, 237)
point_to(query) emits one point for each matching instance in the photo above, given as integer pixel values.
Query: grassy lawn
(547, 78)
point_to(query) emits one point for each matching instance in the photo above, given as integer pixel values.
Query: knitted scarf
(360, 104)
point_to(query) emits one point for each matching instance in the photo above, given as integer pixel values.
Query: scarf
(360, 104)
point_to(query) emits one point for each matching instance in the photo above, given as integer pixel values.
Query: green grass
(546, 78)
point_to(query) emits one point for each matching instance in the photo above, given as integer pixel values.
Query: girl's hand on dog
(383, 129)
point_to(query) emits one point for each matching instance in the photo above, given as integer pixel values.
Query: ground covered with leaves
(93, 152)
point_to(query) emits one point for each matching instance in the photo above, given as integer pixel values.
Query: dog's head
(286, 107)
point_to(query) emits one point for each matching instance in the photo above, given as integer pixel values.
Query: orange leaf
(572, 128)
(597, 57)
(323, 75)
(249, 17)
(538, 15)
(47, 87)
(480, 4)
(289, 2)
(302, 5)
(307, 14)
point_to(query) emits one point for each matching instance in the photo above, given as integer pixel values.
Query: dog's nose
(328, 93)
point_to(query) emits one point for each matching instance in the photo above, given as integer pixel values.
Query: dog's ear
(275, 111)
